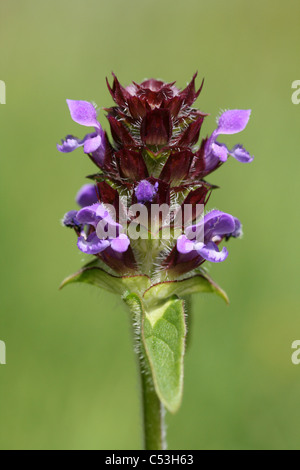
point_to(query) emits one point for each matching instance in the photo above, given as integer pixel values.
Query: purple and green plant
(154, 160)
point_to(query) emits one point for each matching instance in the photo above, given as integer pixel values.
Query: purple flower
(87, 195)
(70, 220)
(145, 191)
(91, 244)
(92, 215)
(230, 122)
(238, 231)
(215, 226)
(84, 113)
(102, 232)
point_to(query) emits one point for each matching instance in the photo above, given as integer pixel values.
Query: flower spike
(144, 218)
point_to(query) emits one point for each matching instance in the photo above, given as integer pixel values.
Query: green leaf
(162, 344)
(164, 334)
(197, 284)
(96, 276)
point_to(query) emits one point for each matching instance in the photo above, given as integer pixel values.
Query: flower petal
(211, 252)
(88, 215)
(70, 219)
(70, 144)
(195, 232)
(92, 143)
(99, 154)
(239, 153)
(220, 151)
(217, 223)
(83, 113)
(145, 191)
(87, 195)
(120, 244)
(233, 121)
(184, 245)
(92, 244)
(103, 213)
(238, 231)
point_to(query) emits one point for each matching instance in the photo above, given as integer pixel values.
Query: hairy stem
(152, 409)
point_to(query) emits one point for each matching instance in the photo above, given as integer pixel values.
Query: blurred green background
(70, 381)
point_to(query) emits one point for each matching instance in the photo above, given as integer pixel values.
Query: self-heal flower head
(143, 219)
(84, 113)
(230, 122)
(216, 225)
(153, 160)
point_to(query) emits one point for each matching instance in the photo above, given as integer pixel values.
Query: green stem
(153, 411)
(152, 408)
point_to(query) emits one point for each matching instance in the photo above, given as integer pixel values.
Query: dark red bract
(156, 119)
